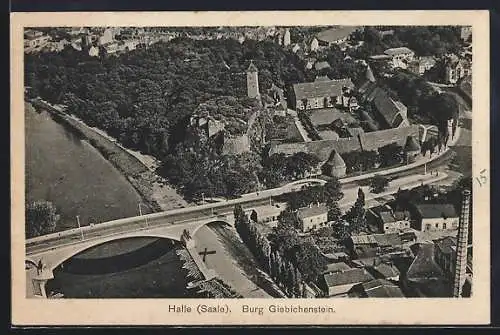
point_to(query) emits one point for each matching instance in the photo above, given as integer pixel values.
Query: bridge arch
(53, 261)
(225, 221)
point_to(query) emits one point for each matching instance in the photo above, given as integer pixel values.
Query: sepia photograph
(321, 162)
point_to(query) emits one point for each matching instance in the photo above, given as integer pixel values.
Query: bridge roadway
(177, 218)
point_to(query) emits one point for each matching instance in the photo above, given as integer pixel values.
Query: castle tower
(286, 38)
(461, 261)
(253, 81)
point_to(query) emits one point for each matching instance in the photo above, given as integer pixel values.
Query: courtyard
(325, 116)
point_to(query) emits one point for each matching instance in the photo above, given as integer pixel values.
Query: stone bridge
(52, 258)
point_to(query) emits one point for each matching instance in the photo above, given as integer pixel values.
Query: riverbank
(156, 194)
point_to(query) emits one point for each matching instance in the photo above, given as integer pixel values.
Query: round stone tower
(253, 81)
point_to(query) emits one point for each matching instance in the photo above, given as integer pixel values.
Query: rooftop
(268, 210)
(321, 65)
(321, 88)
(336, 267)
(378, 239)
(423, 266)
(380, 57)
(387, 107)
(380, 288)
(333, 35)
(252, 67)
(436, 210)
(370, 141)
(386, 270)
(313, 210)
(398, 51)
(335, 159)
(352, 276)
(447, 244)
(387, 217)
(411, 144)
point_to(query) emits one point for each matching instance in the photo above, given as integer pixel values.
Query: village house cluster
(411, 252)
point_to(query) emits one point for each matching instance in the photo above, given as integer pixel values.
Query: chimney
(461, 259)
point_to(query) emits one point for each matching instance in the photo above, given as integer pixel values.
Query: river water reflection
(69, 172)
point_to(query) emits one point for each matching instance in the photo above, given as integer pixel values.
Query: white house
(312, 217)
(432, 217)
(400, 57)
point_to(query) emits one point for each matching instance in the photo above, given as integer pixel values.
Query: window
(444, 225)
(437, 225)
(428, 226)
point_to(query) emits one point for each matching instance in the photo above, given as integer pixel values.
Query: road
(100, 230)
(226, 263)
(351, 194)
(436, 164)
(191, 214)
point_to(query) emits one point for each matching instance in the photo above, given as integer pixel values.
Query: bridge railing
(152, 216)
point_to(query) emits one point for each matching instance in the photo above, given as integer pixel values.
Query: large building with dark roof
(320, 93)
(424, 277)
(432, 217)
(391, 113)
(363, 141)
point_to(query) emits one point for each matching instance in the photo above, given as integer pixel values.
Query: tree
(378, 184)
(309, 261)
(341, 230)
(284, 237)
(334, 212)
(391, 154)
(356, 216)
(41, 218)
(333, 190)
(445, 107)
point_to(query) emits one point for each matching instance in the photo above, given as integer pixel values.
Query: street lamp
(79, 227)
(140, 214)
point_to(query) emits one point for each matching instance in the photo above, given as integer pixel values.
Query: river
(69, 172)
(63, 168)
(128, 268)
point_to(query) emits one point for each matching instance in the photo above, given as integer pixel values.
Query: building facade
(312, 217)
(322, 93)
(456, 70)
(393, 222)
(400, 57)
(432, 217)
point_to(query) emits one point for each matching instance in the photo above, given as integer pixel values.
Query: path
(225, 265)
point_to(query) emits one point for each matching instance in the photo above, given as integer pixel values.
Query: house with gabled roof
(378, 288)
(424, 277)
(312, 217)
(338, 284)
(392, 113)
(432, 217)
(320, 93)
